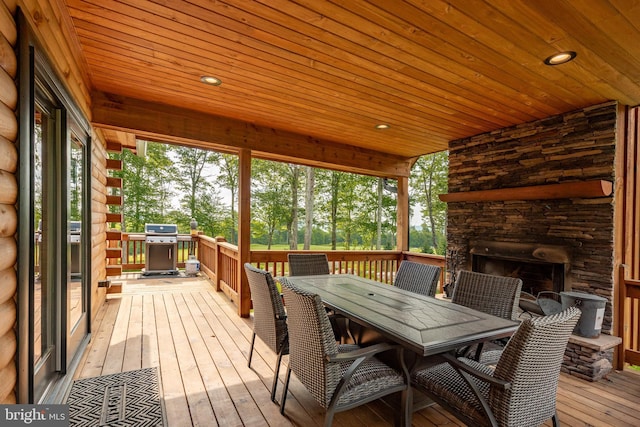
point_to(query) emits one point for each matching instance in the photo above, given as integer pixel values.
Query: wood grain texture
(7, 24)
(153, 121)
(8, 90)
(567, 190)
(8, 383)
(7, 348)
(7, 312)
(8, 252)
(8, 155)
(8, 220)
(8, 188)
(8, 60)
(435, 71)
(8, 123)
(8, 284)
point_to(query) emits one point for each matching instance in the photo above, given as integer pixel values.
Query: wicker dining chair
(308, 264)
(496, 295)
(338, 376)
(419, 278)
(520, 391)
(269, 317)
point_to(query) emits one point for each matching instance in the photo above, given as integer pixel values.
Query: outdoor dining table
(424, 325)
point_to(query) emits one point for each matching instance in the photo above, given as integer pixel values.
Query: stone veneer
(576, 146)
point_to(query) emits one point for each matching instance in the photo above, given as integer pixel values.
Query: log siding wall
(8, 199)
(577, 146)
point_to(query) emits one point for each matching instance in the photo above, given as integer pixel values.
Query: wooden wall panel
(98, 223)
(629, 238)
(8, 197)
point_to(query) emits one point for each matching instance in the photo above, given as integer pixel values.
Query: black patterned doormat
(125, 399)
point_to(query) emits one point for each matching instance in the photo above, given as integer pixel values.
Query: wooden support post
(244, 230)
(402, 221)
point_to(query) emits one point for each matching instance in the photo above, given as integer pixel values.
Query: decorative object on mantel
(566, 190)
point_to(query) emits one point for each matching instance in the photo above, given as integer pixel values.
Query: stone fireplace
(554, 242)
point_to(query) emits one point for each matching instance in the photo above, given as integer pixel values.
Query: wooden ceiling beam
(160, 122)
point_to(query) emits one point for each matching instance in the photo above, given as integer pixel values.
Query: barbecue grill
(161, 248)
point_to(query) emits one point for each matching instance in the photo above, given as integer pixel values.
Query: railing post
(244, 230)
(622, 326)
(216, 262)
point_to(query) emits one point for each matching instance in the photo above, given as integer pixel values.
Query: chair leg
(555, 420)
(253, 340)
(328, 418)
(406, 404)
(285, 391)
(275, 378)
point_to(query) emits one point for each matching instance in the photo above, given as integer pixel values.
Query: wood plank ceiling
(432, 70)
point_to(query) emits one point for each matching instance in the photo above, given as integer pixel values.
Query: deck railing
(219, 260)
(375, 265)
(630, 325)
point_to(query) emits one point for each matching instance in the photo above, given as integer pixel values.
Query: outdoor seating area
(202, 347)
(321, 213)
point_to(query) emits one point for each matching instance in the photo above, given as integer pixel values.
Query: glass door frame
(37, 76)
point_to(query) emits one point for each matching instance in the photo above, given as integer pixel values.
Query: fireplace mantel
(567, 190)
(532, 252)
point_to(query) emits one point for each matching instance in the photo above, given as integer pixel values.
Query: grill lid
(162, 229)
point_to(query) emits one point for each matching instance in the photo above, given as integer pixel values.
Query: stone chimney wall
(576, 146)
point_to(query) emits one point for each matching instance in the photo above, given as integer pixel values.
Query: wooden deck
(200, 344)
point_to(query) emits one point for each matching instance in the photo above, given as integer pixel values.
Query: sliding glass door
(55, 240)
(44, 295)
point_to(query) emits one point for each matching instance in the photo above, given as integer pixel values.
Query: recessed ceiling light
(210, 80)
(382, 126)
(560, 58)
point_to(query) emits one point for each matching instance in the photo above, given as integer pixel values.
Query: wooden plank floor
(200, 344)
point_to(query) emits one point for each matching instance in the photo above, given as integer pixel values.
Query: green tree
(428, 180)
(271, 199)
(293, 179)
(146, 187)
(190, 175)
(309, 203)
(228, 178)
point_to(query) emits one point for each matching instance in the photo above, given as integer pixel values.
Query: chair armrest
(462, 366)
(362, 352)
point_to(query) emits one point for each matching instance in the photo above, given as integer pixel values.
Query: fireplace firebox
(541, 267)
